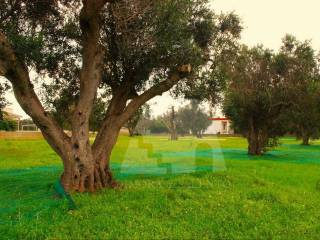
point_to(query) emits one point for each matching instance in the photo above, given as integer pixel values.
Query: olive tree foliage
(127, 51)
(3, 101)
(256, 96)
(193, 119)
(209, 84)
(156, 126)
(145, 121)
(303, 115)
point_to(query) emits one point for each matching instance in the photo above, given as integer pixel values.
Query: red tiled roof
(219, 119)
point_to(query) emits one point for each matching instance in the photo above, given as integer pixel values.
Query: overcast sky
(267, 21)
(264, 21)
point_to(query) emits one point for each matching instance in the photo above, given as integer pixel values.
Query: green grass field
(189, 189)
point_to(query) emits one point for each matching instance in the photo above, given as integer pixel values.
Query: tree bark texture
(257, 140)
(305, 140)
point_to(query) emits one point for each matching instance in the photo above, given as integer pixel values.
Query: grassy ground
(188, 189)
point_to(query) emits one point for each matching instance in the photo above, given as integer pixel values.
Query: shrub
(7, 125)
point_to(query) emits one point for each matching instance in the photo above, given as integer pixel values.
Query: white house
(220, 126)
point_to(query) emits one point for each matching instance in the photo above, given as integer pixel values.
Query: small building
(220, 125)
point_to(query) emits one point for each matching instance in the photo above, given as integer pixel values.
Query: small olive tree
(193, 119)
(256, 96)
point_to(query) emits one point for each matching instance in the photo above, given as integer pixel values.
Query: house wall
(217, 127)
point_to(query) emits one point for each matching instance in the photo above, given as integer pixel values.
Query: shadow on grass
(26, 194)
(286, 154)
(300, 147)
(296, 154)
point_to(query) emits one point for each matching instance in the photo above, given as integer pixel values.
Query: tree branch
(92, 60)
(158, 89)
(17, 73)
(118, 113)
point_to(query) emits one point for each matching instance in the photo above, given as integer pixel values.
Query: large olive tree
(127, 50)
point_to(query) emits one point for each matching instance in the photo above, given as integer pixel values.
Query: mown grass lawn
(189, 189)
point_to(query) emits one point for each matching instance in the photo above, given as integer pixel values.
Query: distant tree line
(191, 119)
(7, 125)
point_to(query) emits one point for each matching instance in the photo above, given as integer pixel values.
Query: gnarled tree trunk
(305, 140)
(256, 140)
(86, 171)
(254, 147)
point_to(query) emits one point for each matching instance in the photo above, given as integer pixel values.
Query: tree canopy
(257, 94)
(303, 115)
